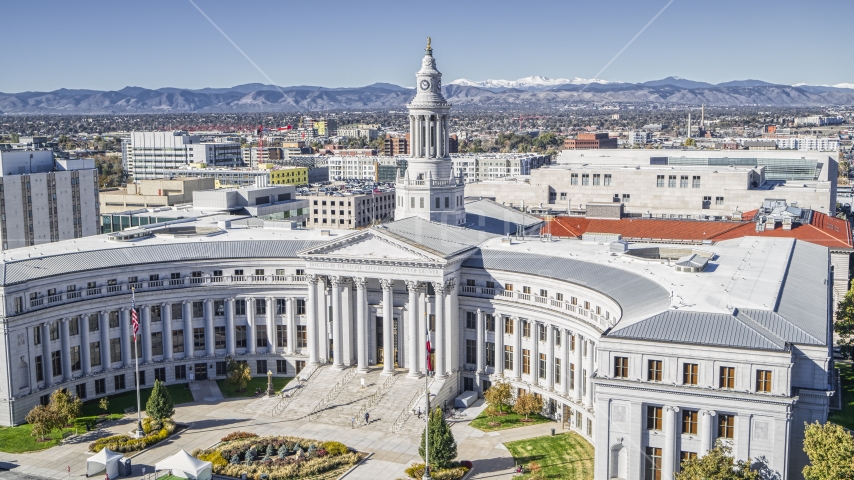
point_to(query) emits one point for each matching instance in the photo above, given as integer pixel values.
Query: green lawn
(566, 455)
(845, 417)
(118, 403)
(510, 420)
(19, 439)
(258, 382)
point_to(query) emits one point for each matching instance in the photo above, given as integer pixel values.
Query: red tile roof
(823, 230)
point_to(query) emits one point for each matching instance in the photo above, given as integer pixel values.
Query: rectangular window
(621, 367)
(199, 338)
(719, 200)
(119, 382)
(261, 336)
(573, 179)
(652, 460)
(490, 322)
(607, 179)
(543, 332)
(94, 324)
(726, 426)
(219, 308)
(54, 331)
(690, 373)
(95, 354)
(585, 179)
(689, 422)
(198, 309)
(74, 326)
(281, 336)
(261, 367)
(471, 352)
(596, 179)
(260, 306)
(301, 336)
(471, 320)
(659, 181)
(75, 358)
(571, 376)
(177, 311)
(683, 181)
(80, 390)
(219, 337)
(695, 181)
(141, 377)
(155, 314)
(653, 418)
(542, 366)
(508, 287)
(240, 307)
(508, 357)
(177, 341)
(56, 363)
(557, 371)
(526, 361)
(654, 371)
(671, 181)
(240, 336)
(627, 198)
(37, 336)
(100, 386)
(526, 329)
(685, 456)
(221, 369)
(281, 367)
(490, 354)
(157, 343)
(727, 378)
(180, 372)
(115, 350)
(281, 306)
(160, 374)
(300, 306)
(39, 369)
(763, 381)
(508, 326)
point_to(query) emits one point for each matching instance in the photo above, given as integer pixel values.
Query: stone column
(535, 352)
(412, 328)
(423, 326)
(187, 307)
(145, 332)
(479, 346)
(499, 345)
(579, 378)
(291, 332)
(230, 333)
(106, 363)
(65, 349)
(439, 342)
(166, 316)
(517, 348)
(337, 345)
(250, 326)
(588, 398)
(445, 135)
(706, 429)
(564, 371)
(388, 326)
(47, 365)
(452, 326)
(85, 361)
(323, 322)
(311, 319)
(271, 325)
(210, 338)
(550, 357)
(361, 325)
(668, 461)
(124, 322)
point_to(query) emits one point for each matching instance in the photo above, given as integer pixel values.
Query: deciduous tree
(44, 420)
(718, 464)
(831, 451)
(527, 403)
(844, 325)
(238, 374)
(500, 395)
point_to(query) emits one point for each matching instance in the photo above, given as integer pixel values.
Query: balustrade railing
(377, 396)
(327, 399)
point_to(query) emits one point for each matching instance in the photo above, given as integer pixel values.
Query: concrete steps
(317, 387)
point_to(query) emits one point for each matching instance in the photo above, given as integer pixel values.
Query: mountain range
(529, 93)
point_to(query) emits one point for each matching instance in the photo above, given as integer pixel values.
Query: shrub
(235, 459)
(214, 457)
(237, 436)
(125, 444)
(335, 448)
(467, 464)
(416, 470)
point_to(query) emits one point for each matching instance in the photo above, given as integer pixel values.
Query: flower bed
(452, 471)
(124, 443)
(278, 457)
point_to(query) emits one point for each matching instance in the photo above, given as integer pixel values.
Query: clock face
(425, 84)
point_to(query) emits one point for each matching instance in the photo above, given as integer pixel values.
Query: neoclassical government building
(651, 352)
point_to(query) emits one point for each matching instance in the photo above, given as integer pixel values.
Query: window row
(690, 422)
(690, 374)
(683, 181)
(598, 179)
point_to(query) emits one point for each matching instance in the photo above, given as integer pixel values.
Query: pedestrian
(419, 413)
(353, 422)
(367, 418)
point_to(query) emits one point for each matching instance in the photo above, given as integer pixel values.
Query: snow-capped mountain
(535, 83)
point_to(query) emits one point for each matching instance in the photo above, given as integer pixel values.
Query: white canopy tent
(185, 465)
(107, 460)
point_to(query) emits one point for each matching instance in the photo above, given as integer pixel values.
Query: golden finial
(428, 44)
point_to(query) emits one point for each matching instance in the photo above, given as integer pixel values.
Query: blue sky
(106, 45)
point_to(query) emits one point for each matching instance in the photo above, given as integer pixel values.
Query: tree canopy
(831, 451)
(844, 325)
(718, 464)
(238, 373)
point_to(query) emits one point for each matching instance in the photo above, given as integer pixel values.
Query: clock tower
(428, 188)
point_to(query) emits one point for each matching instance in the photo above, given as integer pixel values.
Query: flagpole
(139, 431)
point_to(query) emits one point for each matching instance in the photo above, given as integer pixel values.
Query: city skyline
(477, 42)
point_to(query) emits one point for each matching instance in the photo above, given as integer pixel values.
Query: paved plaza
(318, 411)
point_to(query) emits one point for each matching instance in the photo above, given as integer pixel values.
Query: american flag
(429, 347)
(134, 318)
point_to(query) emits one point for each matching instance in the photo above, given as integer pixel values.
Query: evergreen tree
(443, 447)
(160, 405)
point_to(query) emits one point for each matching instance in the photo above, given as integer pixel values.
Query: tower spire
(429, 49)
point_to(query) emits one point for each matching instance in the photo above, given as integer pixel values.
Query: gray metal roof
(700, 328)
(490, 216)
(17, 271)
(446, 240)
(805, 299)
(692, 260)
(638, 296)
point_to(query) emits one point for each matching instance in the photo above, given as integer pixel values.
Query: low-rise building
(479, 167)
(239, 177)
(153, 194)
(590, 141)
(153, 155)
(350, 212)
(640, 137)
(396, 144)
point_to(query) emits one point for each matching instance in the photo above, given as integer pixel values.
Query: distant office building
(350, 212)
(241, 177)
(453, 144)
(356, 168)
(43, 200)
(760, 144)
(358, 131)
(153, 194)
(154, 154)
(479, 167)
(326, 127)
(818, 121)
(395, 144)
(356, 152)
(590, 141)
(640, 138)
(808, 143)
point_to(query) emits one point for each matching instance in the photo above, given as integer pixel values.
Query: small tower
(429, 189)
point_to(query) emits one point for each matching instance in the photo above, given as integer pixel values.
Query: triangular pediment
(370, 246)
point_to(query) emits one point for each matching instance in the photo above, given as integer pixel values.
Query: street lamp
(270, 391)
